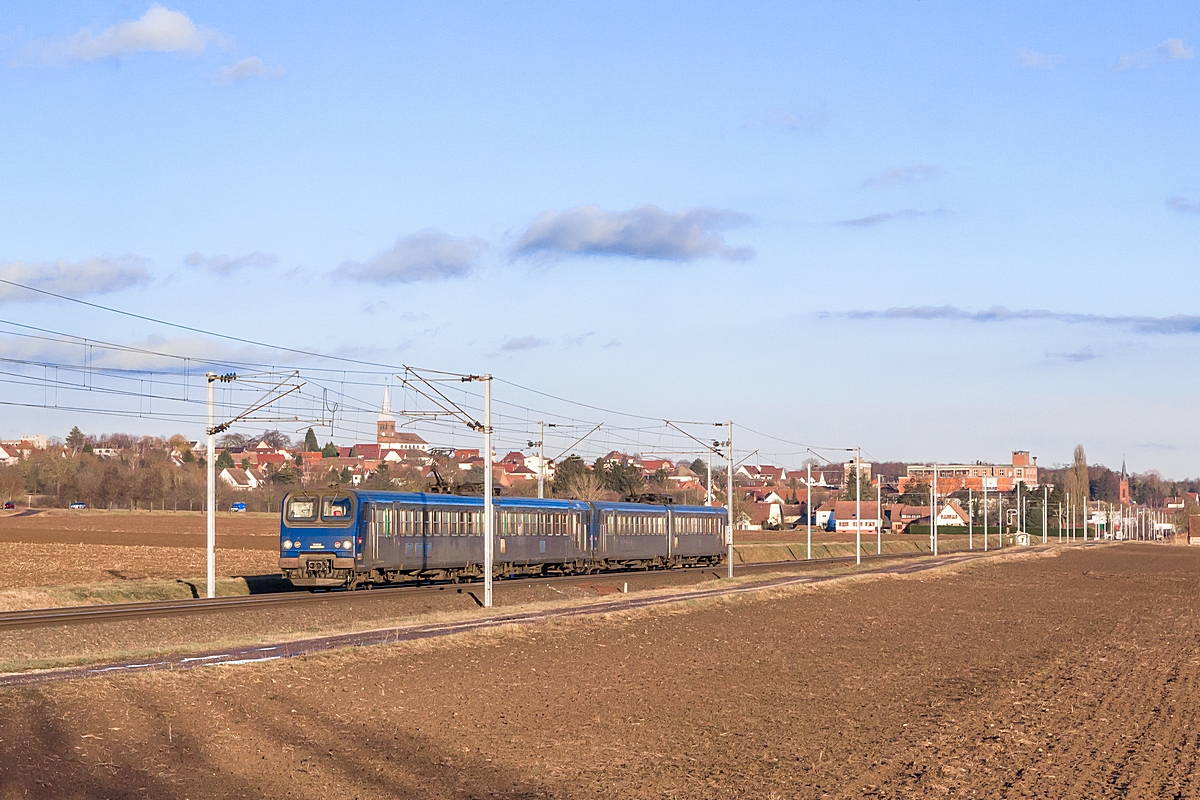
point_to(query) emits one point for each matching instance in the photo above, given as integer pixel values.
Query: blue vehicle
(237, 507)
(342, 537)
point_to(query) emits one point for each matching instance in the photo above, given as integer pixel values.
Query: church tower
(385, 427)
(1124, 489)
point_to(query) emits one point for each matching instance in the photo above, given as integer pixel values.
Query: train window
(434, 528)
(336, 508)
(302, 509)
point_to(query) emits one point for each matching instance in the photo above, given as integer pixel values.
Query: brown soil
(1069, 676)
(149, 529)
(30, 565)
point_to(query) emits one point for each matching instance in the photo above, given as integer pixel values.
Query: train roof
(427, 498)
(532, 503)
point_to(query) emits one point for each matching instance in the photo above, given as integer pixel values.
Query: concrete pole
(1085, 514)
(879, 517)
(708, 488)
(858, 505)
(489, 522)
(729, 544)
(933, 512)
(1003, 521)
(1045, 511)
(808, 507)
(970, 520)
(541, 460)
(211, 495)
(985, 510)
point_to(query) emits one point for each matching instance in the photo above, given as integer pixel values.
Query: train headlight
(287, 545)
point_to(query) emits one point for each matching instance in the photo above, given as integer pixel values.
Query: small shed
(1193, 532)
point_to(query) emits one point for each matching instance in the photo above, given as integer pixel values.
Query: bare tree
(586, 486)
(1077, 478)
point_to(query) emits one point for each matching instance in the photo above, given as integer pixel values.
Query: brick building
(977, 476)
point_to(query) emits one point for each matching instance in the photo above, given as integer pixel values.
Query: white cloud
(1184, 205)
(903, 175)
(156, 353)
(93, 276)
(1175, 324)
(800, 119)
(644, 232)
(872, 220)
(523, 343)
(252, 67)
(1169, 50)
(427, 255)
(1035, 60)
(223, 265)
(159, 30)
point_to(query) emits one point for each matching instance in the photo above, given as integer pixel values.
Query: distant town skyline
(938, 232)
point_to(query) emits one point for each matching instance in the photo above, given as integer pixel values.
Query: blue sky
(802, 217)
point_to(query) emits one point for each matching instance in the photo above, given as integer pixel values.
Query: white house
(242, 479)
(8, 456)
(951, 515)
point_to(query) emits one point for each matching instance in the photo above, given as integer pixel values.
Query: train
(351, 537)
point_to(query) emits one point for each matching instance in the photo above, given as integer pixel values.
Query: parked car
(78, 505)
(238, 507)
(9, 505)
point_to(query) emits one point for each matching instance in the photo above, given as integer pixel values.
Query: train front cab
(318, 537)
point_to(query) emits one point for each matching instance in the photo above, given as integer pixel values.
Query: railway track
(416, 632)
(79, 615)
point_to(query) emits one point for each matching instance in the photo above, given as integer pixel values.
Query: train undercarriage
(326, 572)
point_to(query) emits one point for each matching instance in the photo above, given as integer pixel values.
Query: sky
(938, 231)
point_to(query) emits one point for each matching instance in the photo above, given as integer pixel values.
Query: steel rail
(257, 654)
(79, 615)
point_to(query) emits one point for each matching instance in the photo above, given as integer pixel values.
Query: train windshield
(336, 509)
(302, 509)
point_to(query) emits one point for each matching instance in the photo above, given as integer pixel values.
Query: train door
(371, 545)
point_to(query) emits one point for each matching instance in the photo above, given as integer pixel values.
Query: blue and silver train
(341, 537)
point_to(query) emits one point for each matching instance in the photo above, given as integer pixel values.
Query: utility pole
(808, 507)
(211, 496)
(879, 517)
(708, 486)
(858, 505)
(1085, 513)
(489, 522)
(1003, 521)
(541, 460)
(933, 512)
(730, 482)
(985, 547)
(1045, 511)
(970, 520)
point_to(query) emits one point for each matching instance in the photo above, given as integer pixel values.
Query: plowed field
(1072, 675)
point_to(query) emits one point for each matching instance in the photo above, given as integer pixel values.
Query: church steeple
(385, 427)
(385, 413)
(1123, 490)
